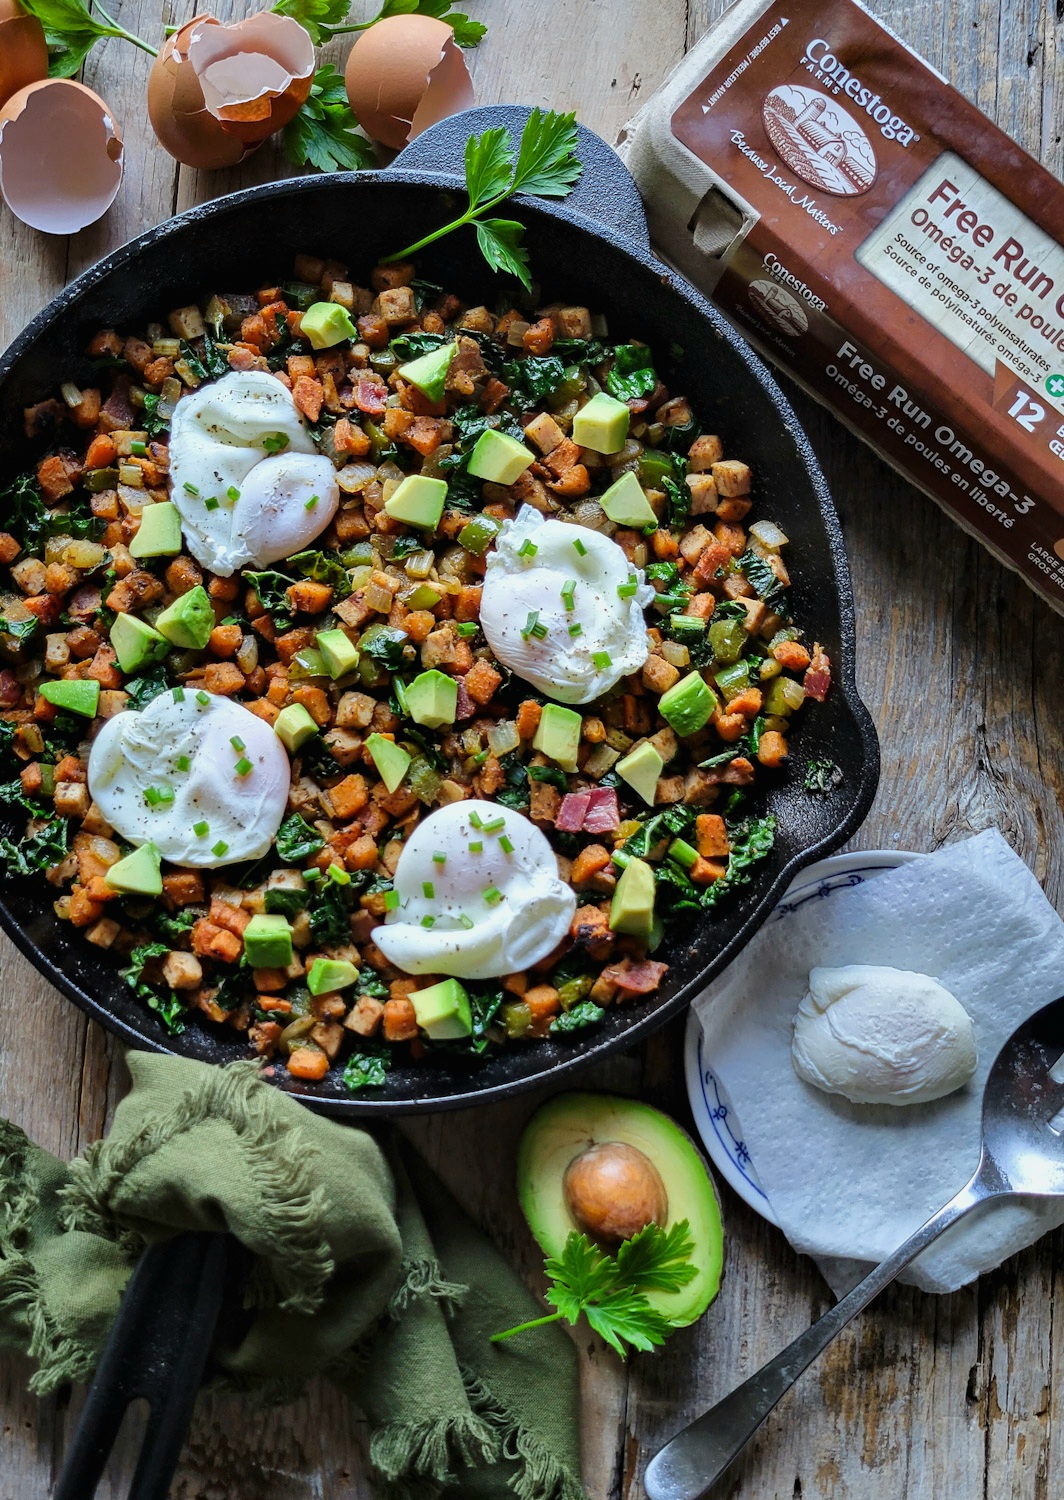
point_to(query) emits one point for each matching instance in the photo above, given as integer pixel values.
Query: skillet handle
(605, 192)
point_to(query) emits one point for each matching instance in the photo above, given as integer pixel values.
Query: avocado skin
(567, 1125)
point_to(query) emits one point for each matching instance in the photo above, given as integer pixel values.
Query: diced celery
(784, 696)
(478, 534)
(733, 680)
(727, 639)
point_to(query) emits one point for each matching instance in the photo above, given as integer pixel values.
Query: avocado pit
(613, 1190)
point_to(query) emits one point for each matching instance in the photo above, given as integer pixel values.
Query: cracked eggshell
(61, 156)
(216, 92)
(405, 74)
(23, 50)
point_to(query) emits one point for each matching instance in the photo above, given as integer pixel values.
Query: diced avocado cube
(418, 501)
(558, 735)
(499, 458)
(632, 908)
(337, 652)
(77, 696)
(326, 324)
(188, 622)
(626, 503)
(641, 768)
(139, 873)
(602, 425)
(293, 726)
(390, 759)
(432, 699)
(689, 704)
(135, 643)
(268, 942)
(443, 1011)
(327, 974)
(429, 371)
(159, 532)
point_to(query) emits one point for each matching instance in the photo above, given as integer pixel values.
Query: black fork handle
(157, 1350)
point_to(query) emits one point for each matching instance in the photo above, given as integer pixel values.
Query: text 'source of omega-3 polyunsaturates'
(872, 232)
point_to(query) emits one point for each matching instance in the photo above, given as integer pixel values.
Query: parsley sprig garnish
(72, 30)
(323, 133)
(325, 19)
(546, 167)
(610, 1291)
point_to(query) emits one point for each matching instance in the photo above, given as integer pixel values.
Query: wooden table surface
(945, 1397)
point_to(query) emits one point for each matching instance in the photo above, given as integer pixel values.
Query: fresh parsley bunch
(546, 166)
(611, 1290)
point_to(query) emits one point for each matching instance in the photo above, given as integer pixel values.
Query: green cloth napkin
(365, 1270)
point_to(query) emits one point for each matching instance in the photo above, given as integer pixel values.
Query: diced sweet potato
(399, 1021)
(772, 750)
(223, 677)
(711, 836)
(482, 682)
(308, 1063)
(348, 797)
(588, 862)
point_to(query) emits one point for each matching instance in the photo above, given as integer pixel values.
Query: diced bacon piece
(603, 816)
(817, 679)
(636, 977)
(573, 811)
(465, 708)
(371, 395)
(10, 689)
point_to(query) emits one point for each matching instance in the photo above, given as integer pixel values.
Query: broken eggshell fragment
(405, 74)
(216, 92)
(60, 156)
(23, 50)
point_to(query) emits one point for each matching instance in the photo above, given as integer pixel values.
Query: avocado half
(567, 1125)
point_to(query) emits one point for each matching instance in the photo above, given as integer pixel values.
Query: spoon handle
(688, 1465)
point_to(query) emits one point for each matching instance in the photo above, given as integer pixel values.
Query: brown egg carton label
(875, 235)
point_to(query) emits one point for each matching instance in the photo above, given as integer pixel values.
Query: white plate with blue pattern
(715, 1117)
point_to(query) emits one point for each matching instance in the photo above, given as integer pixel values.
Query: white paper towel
(847, 1182)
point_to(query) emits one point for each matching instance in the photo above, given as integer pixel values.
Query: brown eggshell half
(178, 113)
(405, 74)
(255, 75)
(60, 156)
(23, 50)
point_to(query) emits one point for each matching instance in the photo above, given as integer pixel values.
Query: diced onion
(769, 535)
(676, 654)
(792, 693)
(70, 393)
(354, 477)
(378, 598)
(502, 738)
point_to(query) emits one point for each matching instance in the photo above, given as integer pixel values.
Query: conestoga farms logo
(819, 141)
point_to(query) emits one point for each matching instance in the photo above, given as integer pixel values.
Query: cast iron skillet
(591, 248)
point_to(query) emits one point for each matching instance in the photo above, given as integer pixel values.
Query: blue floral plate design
(714, 1114)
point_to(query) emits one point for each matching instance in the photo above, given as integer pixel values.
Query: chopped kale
(404, 546)
(632, 373)
(209, 363)
(553, 775)
(751, 840)
(384, 643)
(368, 983)
(177, 924)
(154, 424)
(36, 852)
(514, 793)
(323, 567)
(170, 1007)
(490, 350)
(822, 775)
(677, 820)
(679, 436)
(580, 351)
(483, 1007)
(143, 690)
(582, 1015)
(367, 1069)
(13, 795)
(19, 630)
(406, 346)
(329, 910)
(424, 291)
(272, 588)
(766, 585)
(677, 494)
(297, 840)
(285, 901)
(30, 522)
(535, 377)
(9, 761)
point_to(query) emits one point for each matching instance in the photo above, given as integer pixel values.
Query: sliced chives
(439, 858)
(527, 549)
(211, 503)
(138, 449)
(220, 848)
(568, 592)
(202, 697)
(580, 548)
(190, 489)
(275, 442)
(576, 629)
(601, 660)
(201, 830)
(530, 624)
(478, 760)
(492, 895)
(232, 493)
(468, 627)
(311, 503)
(627, 590)
(428, 921)
(476, 848)
(243, 766)
(179, 695)
(391, 900)
(428, 890)
(313, 875)
(464, 921)
(505, 845)
(494, 825)
(183, 763)
(236, 742)
(474, 819)
(151, 796)
(338, 876)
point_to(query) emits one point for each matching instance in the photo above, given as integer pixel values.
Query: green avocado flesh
(567, 1125)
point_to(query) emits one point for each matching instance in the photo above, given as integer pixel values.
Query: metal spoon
(1023, 1153)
